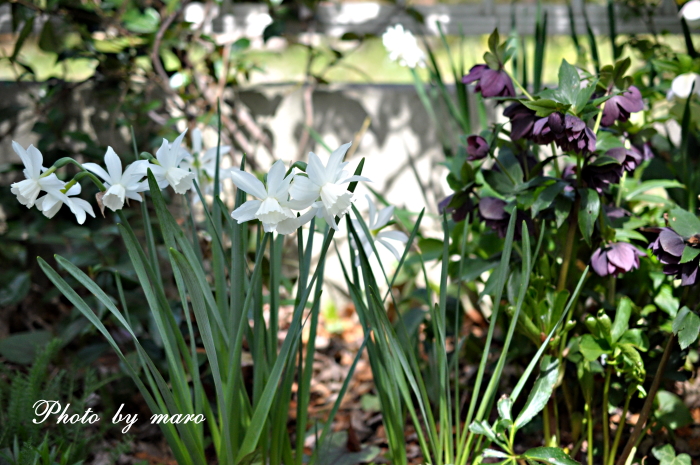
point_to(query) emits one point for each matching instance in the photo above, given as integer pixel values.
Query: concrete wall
(401, 146)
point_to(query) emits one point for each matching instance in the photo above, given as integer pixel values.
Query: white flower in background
(691, 12)
(50, 203)
(274, 209)
(203, 163)
(121, 185)
(403, 47)
(327, 182)
(682, 85)
(28, 190)
(377, 221)
(170, 155)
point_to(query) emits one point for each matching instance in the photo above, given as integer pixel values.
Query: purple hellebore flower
(644, 150)
(630, 159)
(615, 259)
(619, 107)
(614, 212)
(668, 248)
(491, 83)
(492, 211)
(522, 119)
(598, 177)
(459, 205)
(477, 148)
(569, 132)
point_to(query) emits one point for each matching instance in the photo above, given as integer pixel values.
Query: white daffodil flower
(170, 155)
(203, 163)
(682, 85)
(403, 47)
(50, 203)
(691, 13)
(327, 182)
(377, 221)
(121, 185)
(274, 209)
(28, 190)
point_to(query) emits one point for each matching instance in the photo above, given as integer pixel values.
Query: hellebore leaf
(541, 391)
(550, 455)
(588, 213)
(683, 222)
(687, 326)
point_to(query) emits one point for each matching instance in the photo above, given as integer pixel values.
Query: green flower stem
(520, 86)
(618, 199)
(589, 428)
(606, 419)
(81, 175)
(648, 403)
(547, 427)
(569, 245)
(599, 118)
(557, 170)
(620, 429)
(60, 163)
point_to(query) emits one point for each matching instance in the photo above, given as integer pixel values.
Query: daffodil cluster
(289, 199)
(170, 167)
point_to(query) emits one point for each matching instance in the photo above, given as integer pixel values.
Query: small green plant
(24, 441)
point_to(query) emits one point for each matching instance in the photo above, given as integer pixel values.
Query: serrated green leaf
(569, 83)
(683, 222)
(588, 212)
(550, 455)
(547, 196)
(686, 325)
(622, 317)
(689, 254)
(671, 411)
(541, 391)
(592, 348)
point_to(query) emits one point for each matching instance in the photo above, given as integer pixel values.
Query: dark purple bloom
(492, 211)
(577, 136)
(614, 212)
(615, 259)
(630, 159)
(477, 148)
(569, 132)
(491, 83)
(494, 215)
(645, 150)
(598, 177)
(619, 107)
(459, 205)
(668, 248)
(522, 119)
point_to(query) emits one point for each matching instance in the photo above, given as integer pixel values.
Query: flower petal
(114, 166)
(394, 235)
(98, 170)
(246, 212)
(249, 183)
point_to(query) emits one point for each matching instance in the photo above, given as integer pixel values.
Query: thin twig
(648, 403)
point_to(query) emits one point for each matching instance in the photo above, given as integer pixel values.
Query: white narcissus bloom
(377, 221)
(28, 190)
(403, 47)
(170, 155)
(274, 209)
(50, 203)
(691, 12)
(204, 163)
(328, 182)
(120, 184)
(682, 85)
